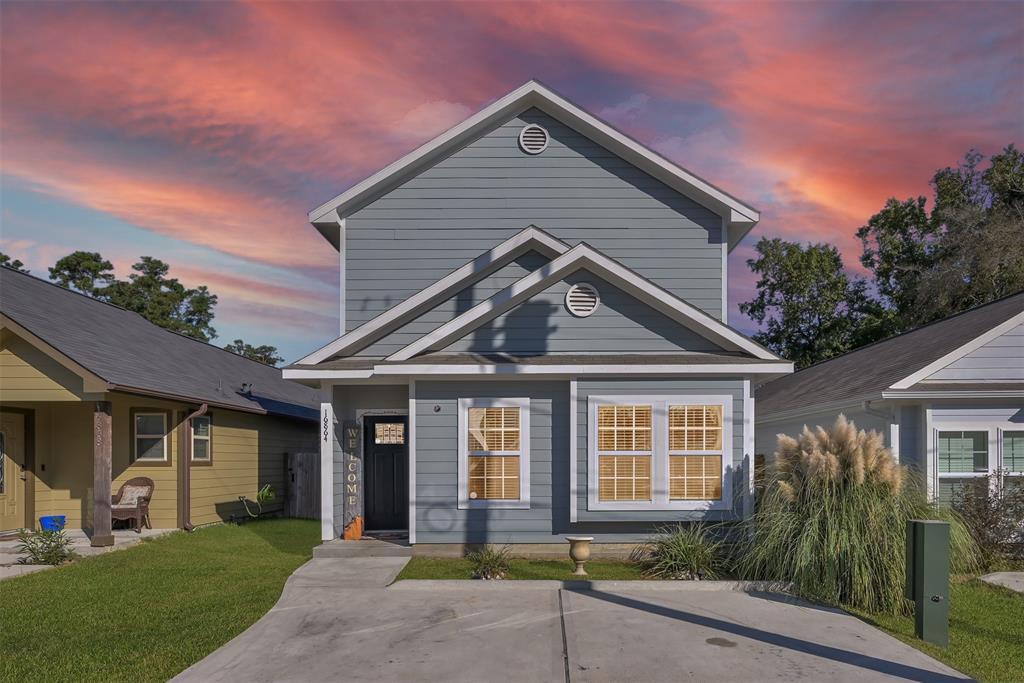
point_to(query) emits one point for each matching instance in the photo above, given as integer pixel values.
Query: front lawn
(986, 632)
(150, 611)
(523, 569)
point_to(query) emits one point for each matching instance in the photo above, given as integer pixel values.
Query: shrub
(994, 514)
(44, 547)
(490, 562)
(833, 520)
(681, 552)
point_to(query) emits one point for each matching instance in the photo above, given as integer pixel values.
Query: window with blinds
(494, 437)
(625, 452)
(695, 451)
(963, 451)
(1013, 451)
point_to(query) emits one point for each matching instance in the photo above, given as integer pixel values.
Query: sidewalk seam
(565, 643)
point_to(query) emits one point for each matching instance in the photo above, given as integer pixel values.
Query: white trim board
(741, 217)
(579, 257)
(531, 238)
(959, 353)
(513, 370)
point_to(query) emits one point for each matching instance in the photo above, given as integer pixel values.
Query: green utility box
(928, 578)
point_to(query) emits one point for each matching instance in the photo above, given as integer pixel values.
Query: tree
(164, 301)
(980, 254)
(898, 249)
(807, 305)
(967, 252)
(14, 264)
(83, 271)
(263, 354)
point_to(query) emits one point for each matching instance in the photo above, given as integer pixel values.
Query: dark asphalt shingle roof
(360, 363)
(865, 372)
(130, 352)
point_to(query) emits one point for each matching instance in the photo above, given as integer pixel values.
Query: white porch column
(326, 429)
(749, 448)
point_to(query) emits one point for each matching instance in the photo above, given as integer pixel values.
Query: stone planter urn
(579, 552)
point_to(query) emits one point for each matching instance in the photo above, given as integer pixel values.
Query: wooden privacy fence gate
(303, 481)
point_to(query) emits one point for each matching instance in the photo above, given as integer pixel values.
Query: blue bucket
(52, 522)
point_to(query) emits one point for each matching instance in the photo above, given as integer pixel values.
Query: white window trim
(1000, 434)
(993, 448)
(136, 436)
(208, 439)
(465, 503)
(659, 465)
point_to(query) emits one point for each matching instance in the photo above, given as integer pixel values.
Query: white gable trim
(959, 353)
(583, 256)
(394, 317)
(741, 217)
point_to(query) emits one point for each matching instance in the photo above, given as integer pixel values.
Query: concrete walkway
(337, 619)
(10, 565)
(1012, 580)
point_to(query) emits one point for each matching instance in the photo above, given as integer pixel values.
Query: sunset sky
(201, 133)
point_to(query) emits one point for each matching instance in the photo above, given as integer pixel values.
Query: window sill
(494, 505)
(698, 505)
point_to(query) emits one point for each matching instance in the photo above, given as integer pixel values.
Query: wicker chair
(132, 502)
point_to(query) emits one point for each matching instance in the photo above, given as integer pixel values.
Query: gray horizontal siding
(542, 324)
(438, 519)
(659, 387)
(1000, 360)
(489, 190)
(456, 305)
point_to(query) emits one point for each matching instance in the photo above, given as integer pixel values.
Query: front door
(386, 471)
(12, 471)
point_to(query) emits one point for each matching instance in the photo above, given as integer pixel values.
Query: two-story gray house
(533, 339)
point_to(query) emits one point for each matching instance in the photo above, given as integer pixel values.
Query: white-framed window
(149, 436)
(1011, 454)
(494, 452)
(659, 452)
(201, 443)
(963, 458)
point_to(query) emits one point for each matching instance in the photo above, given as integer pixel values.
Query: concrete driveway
(337, 620)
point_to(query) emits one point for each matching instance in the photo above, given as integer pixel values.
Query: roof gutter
(186, 488)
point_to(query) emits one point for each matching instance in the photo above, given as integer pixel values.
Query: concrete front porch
(123, 538)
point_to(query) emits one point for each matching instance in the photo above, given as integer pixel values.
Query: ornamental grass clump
(833, 520)
(490, 563)
(681, 552)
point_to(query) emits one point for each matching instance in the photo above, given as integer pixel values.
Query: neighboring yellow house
(92, 395)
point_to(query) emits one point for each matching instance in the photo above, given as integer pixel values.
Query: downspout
(186, 486)
(866, 407)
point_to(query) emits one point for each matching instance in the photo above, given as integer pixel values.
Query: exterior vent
(533, 139)
(582, 299)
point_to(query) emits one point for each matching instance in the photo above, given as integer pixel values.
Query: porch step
(363, 548)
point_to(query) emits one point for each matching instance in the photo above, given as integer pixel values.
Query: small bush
(490, 562)
(993, 510)
(687, 552)
(833, 521)
(44, 547)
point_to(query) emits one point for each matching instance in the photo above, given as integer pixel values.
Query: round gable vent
(582, 299)
(533, 139)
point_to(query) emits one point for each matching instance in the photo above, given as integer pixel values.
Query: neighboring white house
(949, 396)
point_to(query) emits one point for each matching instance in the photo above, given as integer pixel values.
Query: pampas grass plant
(833, 520)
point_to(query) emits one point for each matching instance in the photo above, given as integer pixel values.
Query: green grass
(986, 632)
(520, 569)
(147, 612)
